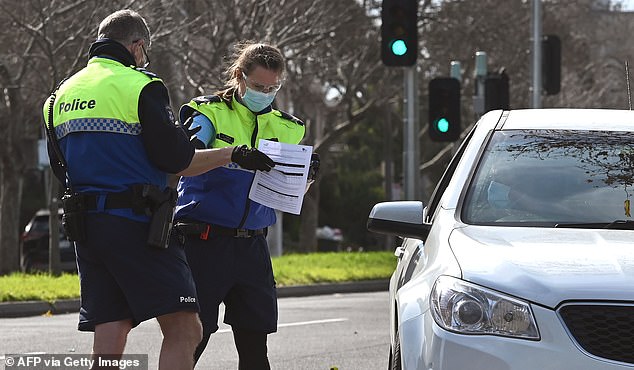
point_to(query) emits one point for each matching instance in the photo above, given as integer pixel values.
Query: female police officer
(111, 131)
(225, 231)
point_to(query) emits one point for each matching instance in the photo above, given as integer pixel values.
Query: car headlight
(467, 308)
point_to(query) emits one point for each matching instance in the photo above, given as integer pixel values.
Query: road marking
(312, 322)
(300, 323)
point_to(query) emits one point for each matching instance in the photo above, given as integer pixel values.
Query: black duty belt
(203, 230)
(126, 199)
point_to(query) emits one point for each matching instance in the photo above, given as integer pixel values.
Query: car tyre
(27, 266)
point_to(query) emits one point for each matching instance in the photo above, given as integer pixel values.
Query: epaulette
(146, 72)
(292, 118)
(207, 99)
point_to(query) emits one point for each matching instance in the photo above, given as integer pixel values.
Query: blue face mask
(257, 101)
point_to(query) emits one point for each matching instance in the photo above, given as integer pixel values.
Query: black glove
(251, 158)
(314, 166)
(189, 131)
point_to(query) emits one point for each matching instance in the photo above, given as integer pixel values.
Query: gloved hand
(314, 166)
(251, 158)
(191, 133)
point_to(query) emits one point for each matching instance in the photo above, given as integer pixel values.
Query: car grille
(605, 331)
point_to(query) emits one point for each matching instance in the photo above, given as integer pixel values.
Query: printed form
(283, 187)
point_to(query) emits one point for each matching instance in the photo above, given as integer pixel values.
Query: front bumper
(426, 346)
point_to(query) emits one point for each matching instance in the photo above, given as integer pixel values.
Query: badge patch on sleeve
(170, 114)
(226, 138)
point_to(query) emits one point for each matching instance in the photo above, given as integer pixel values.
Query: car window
(39, 225)
(445, 178)
(550, 177)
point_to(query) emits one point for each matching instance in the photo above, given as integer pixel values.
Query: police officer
(225, 231)
(113, 141)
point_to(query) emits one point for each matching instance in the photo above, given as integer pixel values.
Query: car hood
(545, 265)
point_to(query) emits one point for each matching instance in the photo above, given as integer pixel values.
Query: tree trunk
(310, 215)
(9, 217)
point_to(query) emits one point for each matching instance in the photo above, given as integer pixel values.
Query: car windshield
(40, 225)
(552, 178)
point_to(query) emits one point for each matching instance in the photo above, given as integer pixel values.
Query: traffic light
(444, 109)
(496, 91)
(399, 32)
(551, 64)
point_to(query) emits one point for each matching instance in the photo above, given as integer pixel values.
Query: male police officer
(112, 141)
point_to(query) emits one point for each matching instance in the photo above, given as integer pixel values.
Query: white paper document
(283, 187)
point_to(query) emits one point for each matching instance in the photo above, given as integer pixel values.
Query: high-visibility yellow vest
(235, 124)
(93, 99)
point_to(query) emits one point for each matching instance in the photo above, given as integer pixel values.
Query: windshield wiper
(618, 224)
(621, 224)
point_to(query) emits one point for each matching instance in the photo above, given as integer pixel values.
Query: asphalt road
(347, 331)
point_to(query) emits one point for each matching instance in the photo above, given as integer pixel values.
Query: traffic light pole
(480, 78)
(410, 135)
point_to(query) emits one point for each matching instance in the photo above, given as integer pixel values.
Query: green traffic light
(399, 47)
(442, 125)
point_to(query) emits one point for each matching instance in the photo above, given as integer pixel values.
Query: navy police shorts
(238, 272)
(121, 277)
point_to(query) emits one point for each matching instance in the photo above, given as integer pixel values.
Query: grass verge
(292, 269)
(38, 287)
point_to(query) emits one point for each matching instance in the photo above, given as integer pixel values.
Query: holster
(161, 205)
(73, 219)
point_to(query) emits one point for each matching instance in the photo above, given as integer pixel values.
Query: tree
(592, 59)
(50, 42)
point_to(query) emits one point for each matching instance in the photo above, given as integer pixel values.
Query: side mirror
(403, 218)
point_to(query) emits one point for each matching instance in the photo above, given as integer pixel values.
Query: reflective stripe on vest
(96, 124)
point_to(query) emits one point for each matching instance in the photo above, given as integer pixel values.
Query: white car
(523, 259)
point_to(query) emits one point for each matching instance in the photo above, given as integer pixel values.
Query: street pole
(54, 267)
(389, 167)
(480, 76)
(410, 135)
(536, 92)
(455, 70)
(51, 185)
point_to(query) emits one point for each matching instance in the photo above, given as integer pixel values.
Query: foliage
(356, 184)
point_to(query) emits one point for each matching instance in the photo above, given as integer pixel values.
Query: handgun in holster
(73, 219)
(161, 205)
